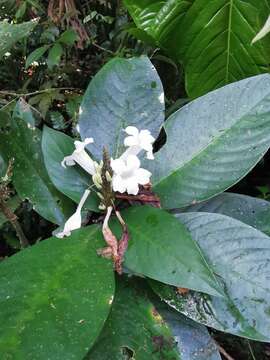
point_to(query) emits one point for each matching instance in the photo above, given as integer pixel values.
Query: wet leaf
(213, 142)
(72, 180)
(239, 256)
(161, 248)
(30, 178)
(56, 296)
(134, 329)
(252, 211)
(124, 92)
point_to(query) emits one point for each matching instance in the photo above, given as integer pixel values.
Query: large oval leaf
(56, 297)
(213, 142)
(134, 329)
(239, 256)
(162, 249)
(124, 92)
(252, 211)
(215, 46)
(30, 178)
(72, 180)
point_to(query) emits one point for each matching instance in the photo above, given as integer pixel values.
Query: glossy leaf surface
(56, 296)
(252, 211)
(161, 248)
(239, 256)
(124, 92)
(211, 38)
(213, 142)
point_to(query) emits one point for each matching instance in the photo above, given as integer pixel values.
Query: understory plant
(149, 251)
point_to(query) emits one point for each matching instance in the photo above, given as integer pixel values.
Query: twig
(6, 93)
(12, 218)
(102, 48)
(224, 352)
(251, 350)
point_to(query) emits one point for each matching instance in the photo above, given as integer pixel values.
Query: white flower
(80, 157)
(137, 141)
(75, 221)
(127, 175)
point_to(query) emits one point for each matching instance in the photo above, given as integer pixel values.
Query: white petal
(132, 186)
(88, 141)
(142, 176)
(75, 221)
(130, 141)
(133, 162)
(68, 160)
(146, 140)
(132, 150)
(161, 98)
(85, 161)
(79, 146)
(118, 184)
(149, 155)
(132, 130)
(118, 166)
(83, 199)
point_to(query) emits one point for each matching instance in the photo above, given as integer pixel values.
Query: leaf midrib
(229, 41)
(211, 143)
(173, 255)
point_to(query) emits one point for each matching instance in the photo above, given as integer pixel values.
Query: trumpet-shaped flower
(127, 175)
(137, 141)
(80, 157)
(75, 221)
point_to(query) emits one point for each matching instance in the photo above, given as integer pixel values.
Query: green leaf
(239, 256)
(72, 180)
(252, 211)
(30, 178)
(54, 55)
(162, 249)
(134, 329)
(124, 92)
(22, 110)
(35, 55)
(215, 46)
(13, 203)
(12, 33)
(68, 37)
(56, 296)
(191, 338)
(213, 142)
(21, 10)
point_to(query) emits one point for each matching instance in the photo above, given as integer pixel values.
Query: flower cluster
(125, 175)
